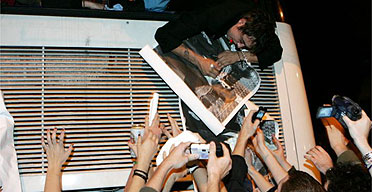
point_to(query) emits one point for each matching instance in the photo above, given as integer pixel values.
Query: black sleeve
(271, 54)
(215, 20)
(234, 181)
(171, 35)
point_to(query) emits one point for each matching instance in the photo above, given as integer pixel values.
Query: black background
(333, 41)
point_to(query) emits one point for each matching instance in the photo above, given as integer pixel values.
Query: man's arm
(176, 159)
(206, 65)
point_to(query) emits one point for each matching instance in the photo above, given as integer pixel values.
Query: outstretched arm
(259, 179)
(217, 168)
(177, 158)
(57, 156)
(275, 168)
(359, 131)
(247, 130)
(206, 66)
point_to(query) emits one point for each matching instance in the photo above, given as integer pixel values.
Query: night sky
(334, 45)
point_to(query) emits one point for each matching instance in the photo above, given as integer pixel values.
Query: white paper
(9, 175)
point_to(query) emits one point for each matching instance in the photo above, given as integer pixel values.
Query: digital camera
(203, 150)
(341, 106)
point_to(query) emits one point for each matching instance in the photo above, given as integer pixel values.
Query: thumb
(192, 157)
(212, 149)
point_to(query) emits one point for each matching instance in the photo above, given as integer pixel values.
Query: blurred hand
(248, 128)
(359, 129)
(279, 152)
(175, 130)
(227, 58)
(320, 158)
(259, 143)
(248, 157)
(218, 166)
(180, 155)
(336, 139)
(155, 126)
(147, 148)
(208, 67)
(55, 150)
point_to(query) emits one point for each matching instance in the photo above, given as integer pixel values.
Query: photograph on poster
(221, 96)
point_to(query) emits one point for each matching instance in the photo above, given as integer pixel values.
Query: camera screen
(324, 112)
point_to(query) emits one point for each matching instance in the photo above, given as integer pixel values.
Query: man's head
(252, 31)
(299, 181)
(348, 177)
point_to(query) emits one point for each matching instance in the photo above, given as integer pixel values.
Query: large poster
(214, 100)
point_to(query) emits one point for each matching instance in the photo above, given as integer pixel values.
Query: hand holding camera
(341, 106)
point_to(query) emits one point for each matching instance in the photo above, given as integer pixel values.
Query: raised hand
(359, 129)
(179, 156)
(218, 166)
(336, 139)
(57, 156)
(320, 158)
(55, 150)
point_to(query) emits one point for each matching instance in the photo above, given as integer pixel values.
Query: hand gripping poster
(214, 100)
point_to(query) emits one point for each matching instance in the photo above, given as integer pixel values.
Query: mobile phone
(153, 107)
(324, 112)
(270, 128)
(259, 114)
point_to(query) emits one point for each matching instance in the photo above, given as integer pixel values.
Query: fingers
(69, 150)
(43, 143)
(212, 149)
(310, 157)
(49, 140)
(139, 139)
(276, 142)
(147, 122)
(166, 132)
(225, 150)
(131, 145)
(260, 136)
(61, 137)
(54, 135)
(155, 122)
(175, 129)
(192, 157)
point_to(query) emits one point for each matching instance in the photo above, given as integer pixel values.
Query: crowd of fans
(233, 171)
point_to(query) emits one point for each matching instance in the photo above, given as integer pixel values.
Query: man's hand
(359, 129)
(179, 156)
(55, 150)
(227, 58)
(155, 126)
(218, 166)
(147, 148)
(336, 139)
(248, 128)
(320, 158)
(208, 67)
(279, 152)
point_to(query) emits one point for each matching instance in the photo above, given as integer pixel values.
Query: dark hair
(300, 181)
(348, 177)
(258, 25)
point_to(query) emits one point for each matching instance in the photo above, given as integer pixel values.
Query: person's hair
(259, 26)
(348, 177)
(300, 181)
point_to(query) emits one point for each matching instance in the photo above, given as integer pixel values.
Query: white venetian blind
(96, 94)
